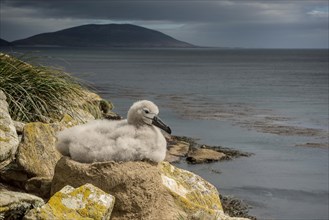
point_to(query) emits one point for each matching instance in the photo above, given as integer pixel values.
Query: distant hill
(109, 35)
(4, 43)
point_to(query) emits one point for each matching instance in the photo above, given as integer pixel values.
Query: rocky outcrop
(39, 186)
(35, 161)
(84, 202)
(36, 152)
(8, 136)
(176, 150)
(190, 190)
(135, 185)
(144, 190)
(184, 147)
(14, 205)
(202, 155)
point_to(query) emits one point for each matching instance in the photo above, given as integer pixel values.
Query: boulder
(14, 175)
(189, 189)
(14, 205)
(202, 155)
(36, 152)
(176, 149)
(8, 136)
(144, 190)
(84, 202)
(39, 186)
(180, 149)
(136, 186)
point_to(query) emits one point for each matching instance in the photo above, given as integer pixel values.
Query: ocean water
(268, 102)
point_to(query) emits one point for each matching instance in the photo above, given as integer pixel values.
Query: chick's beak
(160, 124)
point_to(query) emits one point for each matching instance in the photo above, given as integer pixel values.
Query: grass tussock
(39, 93)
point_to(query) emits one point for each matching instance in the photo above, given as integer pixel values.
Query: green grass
(39, 93)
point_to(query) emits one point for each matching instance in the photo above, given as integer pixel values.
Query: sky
(214, 23)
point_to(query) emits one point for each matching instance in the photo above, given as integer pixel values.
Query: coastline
(275, 175)
(31, 163)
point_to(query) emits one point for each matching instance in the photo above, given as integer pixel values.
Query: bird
(136, 138)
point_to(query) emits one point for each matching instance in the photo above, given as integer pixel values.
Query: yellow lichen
(68, 121)
(4, 139)
(200, 195)
(81, 203)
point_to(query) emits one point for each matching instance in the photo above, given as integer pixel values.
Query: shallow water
(233, 98)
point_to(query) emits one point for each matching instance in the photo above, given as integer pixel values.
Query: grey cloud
(217, 23)
(187, 11)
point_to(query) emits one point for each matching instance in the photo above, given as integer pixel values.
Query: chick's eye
(146, 111)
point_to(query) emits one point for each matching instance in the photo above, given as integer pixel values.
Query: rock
(172, 158)
(230, 153)
(39, 186)
(84, 202)
(19, 126)
(202, 155)
(8, 136)
(180, 149)
(14, 205)
(14, 175)
(176, 149)
(236, 207)
(143, 190)
(189, 189)
(136, 186)
(81, 115)
(36, 152)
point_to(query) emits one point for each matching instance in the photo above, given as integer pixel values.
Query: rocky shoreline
(181, 147)
(37, 182)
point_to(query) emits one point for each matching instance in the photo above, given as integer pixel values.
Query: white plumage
(135, 138)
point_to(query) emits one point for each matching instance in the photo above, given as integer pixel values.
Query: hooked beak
(157, 122)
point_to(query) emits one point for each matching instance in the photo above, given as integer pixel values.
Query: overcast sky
(222, 23)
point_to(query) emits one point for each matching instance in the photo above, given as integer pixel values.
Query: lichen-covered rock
(14, 205)
(136, 186)
(144, 190)
(8, 136)
(190, 189)
(197, 197)
(36, 152)
(203, 155)
(84, 202)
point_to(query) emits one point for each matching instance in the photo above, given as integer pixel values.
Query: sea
(269, 102)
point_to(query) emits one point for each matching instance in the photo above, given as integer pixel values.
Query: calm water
(221, 97)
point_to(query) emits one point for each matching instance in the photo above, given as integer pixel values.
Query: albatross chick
(136, 138)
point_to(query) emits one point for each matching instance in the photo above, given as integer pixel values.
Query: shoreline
(232, 205)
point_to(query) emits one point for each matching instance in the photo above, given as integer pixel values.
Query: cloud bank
(222, 23)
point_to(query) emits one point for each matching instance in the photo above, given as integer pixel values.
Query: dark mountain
(4, 43)
(109, 35)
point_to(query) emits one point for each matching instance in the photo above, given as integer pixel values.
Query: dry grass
(39, 93)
